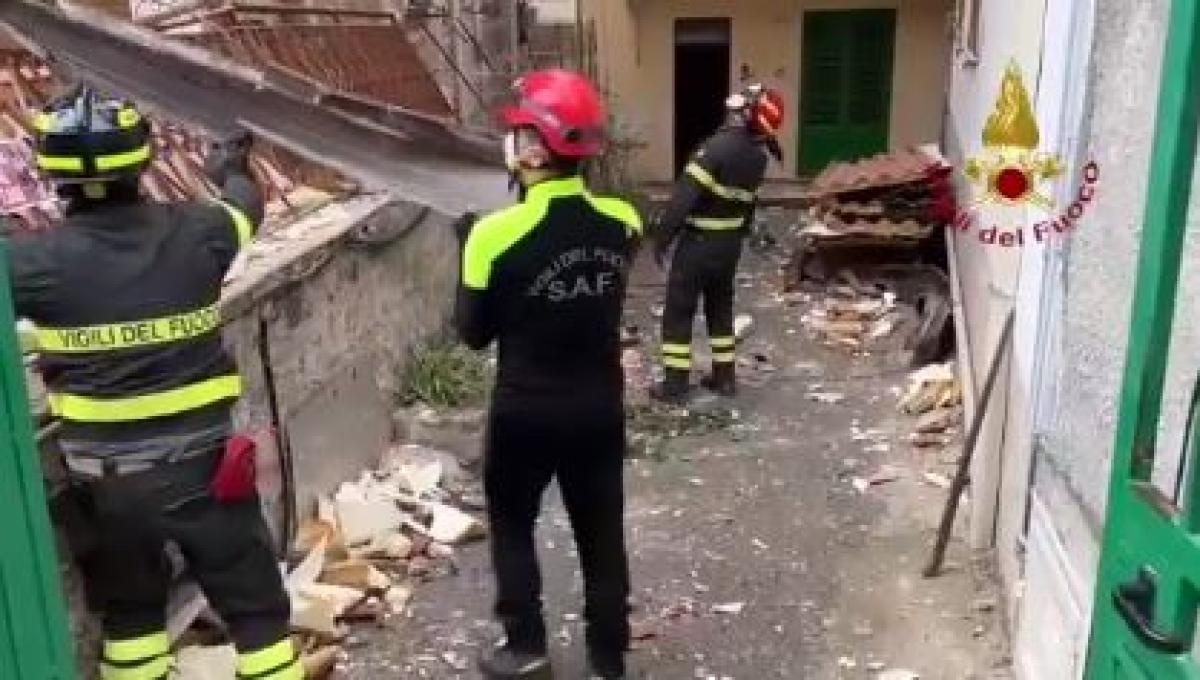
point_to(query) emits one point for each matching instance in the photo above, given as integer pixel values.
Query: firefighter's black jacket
(719, 186)
(546, 278)
(124, 296)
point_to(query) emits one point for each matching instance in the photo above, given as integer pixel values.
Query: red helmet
(766, 113)
(563, 107)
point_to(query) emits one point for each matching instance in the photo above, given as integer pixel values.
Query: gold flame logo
(1010, 169)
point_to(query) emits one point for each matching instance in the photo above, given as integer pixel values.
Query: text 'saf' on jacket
(546, 278)
(124, 295)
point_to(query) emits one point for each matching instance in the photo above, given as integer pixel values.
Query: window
(967, 16)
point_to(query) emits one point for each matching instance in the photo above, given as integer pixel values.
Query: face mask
(511, 160)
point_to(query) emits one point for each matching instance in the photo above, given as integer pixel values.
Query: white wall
(1009, 31)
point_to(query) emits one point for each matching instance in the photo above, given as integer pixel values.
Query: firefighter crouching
(710, 213)
(124, 294)
(546, 279)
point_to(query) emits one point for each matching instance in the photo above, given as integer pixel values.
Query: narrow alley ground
(753, 554)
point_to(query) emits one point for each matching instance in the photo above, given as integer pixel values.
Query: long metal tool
(962, 475)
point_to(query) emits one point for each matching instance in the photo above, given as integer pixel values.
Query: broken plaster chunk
(743, 325)
(363, 514)
(937, 420)
(357, 574)
(453, 526)
(316, 615)
(729, 608)
(935, 479)
(827, 397)
(391, 546)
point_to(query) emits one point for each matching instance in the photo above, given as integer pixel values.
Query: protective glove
(229, 156)
(661, 250)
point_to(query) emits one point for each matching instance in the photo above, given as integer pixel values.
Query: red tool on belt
(236, 479)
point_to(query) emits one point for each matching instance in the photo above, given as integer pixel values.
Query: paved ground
(762, 515)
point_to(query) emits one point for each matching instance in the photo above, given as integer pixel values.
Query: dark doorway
(701, 82)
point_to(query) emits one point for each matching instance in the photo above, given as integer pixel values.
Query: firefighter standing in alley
(710, 213)
(546, 279)
(124, 294)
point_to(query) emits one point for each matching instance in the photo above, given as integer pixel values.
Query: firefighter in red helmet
(545, 279)
(710, 213)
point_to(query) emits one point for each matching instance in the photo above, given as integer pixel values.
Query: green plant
(448, 375)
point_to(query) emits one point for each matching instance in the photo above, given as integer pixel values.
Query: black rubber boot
(722, 380)
(506, 663)
(674, 387)
(607, 666)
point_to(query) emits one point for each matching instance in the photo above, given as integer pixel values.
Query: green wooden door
(35, 643)
(846, 85)
(1148, 585)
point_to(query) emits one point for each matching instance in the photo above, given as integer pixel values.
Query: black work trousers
(704, 268)
(525, 449)
(227, 547)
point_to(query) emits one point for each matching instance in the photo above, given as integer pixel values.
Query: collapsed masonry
(873, 242)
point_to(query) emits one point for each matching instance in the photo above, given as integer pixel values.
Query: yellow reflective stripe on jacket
(722, 343)
(60, 163)
(114, 161)
(137, 649)
(168, 402)
(276, 662)
(154, 669)
(242, 225)
(716, 223)
(724, 357)
(129, 334)
(118, 161)
(706, 180)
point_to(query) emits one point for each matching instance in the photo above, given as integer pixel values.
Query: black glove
(774, 149)
(661, 249)
(462, 226)
(229, 156)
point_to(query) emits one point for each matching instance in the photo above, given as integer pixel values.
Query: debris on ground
(883, 475)
(934, 386)
(826, 397)
(372, 540)
(743, 325)
(729, 608)
(852, 321)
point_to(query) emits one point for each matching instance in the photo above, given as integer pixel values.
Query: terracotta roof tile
(883, 170)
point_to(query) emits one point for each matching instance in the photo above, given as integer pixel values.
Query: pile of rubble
(846, 318)
(894, 199)
(934, 395)
(362, 554)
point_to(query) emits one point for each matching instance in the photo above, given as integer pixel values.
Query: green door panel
(846, 86)
(1148, 583)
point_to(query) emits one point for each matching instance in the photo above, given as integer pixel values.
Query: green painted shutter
(846, 88)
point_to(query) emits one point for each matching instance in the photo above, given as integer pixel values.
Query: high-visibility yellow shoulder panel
(495, 234)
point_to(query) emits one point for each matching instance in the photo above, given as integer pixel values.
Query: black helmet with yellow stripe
(85, 138)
